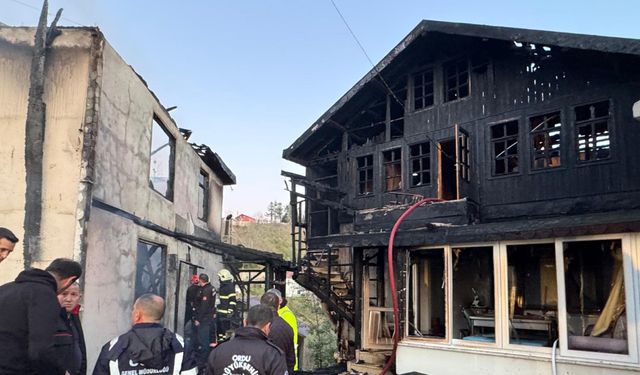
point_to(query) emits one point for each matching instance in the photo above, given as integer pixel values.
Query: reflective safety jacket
(227, 295)
(288, 316)
(148, 348)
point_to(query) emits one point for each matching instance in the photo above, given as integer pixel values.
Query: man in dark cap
(8, 241)
(204, 321)
(29, 319)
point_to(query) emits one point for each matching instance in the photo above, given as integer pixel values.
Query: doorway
(447, 176)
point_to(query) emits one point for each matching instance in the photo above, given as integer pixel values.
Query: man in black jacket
(192, 299)
(147, 348)
(30, 318)
(249, 351)
(204, 318)
(281, 332)
(192, 303)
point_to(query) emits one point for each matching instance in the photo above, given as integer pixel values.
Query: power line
(367, 56)
(388, 88)
(39, 10)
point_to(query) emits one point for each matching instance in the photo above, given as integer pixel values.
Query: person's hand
(197, 323)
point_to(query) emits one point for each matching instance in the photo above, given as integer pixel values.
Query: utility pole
(34, 136)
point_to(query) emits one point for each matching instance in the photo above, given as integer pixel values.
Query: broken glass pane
(595, 296)
(532, 294)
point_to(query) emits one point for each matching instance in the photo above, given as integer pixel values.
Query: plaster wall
(123, 146)
(67, 74)
(434, 361)
(111, 273)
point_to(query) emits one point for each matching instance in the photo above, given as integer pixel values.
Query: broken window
(420, 161)
(427, 303)
(545, 140)
(203, 195)
(462, 154)
(392, 162)
(532, 295)
(150, 269)
(595, 296)
(161, 160)
(473, 294)
(365, 175)
(396, 111)
(504, 142)
(456, 80)
(592, 127)
(423, 89)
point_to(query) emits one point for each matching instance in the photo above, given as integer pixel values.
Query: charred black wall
(513, 82)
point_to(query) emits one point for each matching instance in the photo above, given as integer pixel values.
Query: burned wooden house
(531, 256)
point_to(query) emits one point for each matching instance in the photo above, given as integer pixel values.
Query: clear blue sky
(249, 77)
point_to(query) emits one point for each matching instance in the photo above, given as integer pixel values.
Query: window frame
(368, 168)
(504, 297)
(206, 195)
(610, 120)
(545, 132)
(384, 164)
(169, 195)
(445, 84)
(496, 303)
(447, 291)
(164, 253)
(631, 260)
(420, 157)
(504, 139)
(421, 72)
(627, 265)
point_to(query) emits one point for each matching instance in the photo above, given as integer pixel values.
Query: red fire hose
(392, 279)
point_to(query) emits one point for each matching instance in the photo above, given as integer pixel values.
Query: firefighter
(227, 306)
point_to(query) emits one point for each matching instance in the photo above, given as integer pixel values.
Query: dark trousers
(204, 338)
(190, 340)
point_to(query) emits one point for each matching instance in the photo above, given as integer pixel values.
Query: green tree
(286, 217)
(277, 212)
(321, 343)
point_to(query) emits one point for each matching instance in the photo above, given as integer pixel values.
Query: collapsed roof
(425, 38)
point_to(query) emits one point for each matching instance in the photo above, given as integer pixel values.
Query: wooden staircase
(321, 273)
(369, 362)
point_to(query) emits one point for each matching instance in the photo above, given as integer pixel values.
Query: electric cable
(50, 14)
(384, 82)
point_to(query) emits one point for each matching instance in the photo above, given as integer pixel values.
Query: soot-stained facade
(527, 141)
(125, 191)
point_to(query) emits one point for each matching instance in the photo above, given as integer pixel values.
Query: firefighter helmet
(225, 275)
